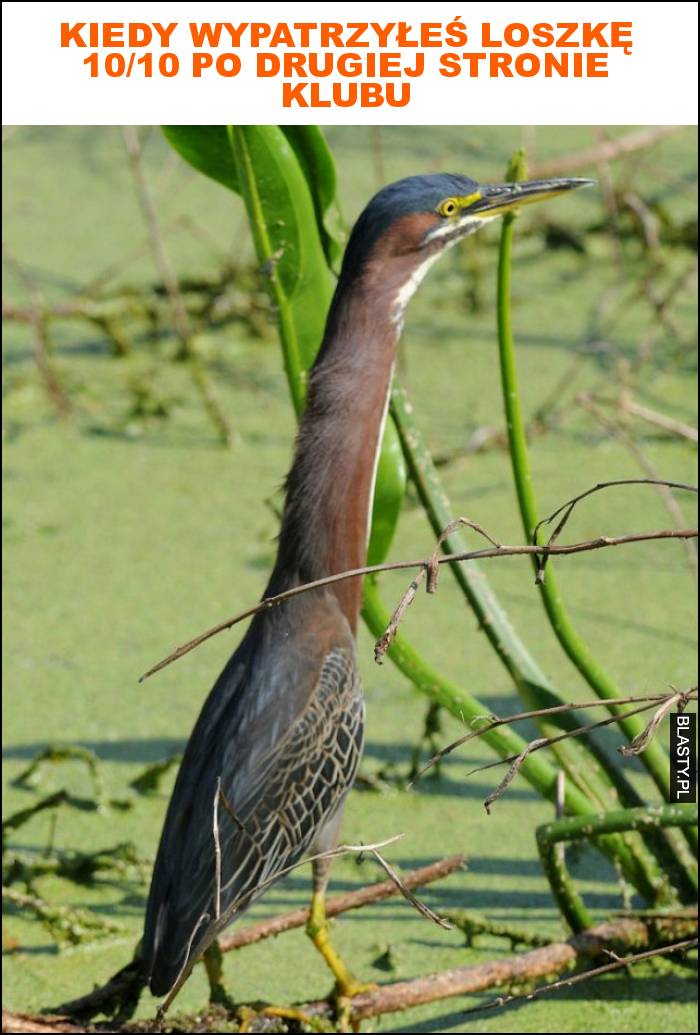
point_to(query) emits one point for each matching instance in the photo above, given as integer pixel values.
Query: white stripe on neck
(409, 287)
(377, 452)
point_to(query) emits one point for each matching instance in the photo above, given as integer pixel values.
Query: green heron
(279, 738)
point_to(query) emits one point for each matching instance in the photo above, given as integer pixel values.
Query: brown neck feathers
(330, 485)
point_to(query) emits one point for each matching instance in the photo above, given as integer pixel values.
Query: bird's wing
(280, 735)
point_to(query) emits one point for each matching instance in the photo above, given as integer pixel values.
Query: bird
(276, 747)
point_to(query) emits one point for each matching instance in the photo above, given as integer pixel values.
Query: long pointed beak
(498, 198)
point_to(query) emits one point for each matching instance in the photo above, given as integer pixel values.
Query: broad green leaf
(316, 161)
(206, 148)
(283, 202)
(286, 178)
(287, 243)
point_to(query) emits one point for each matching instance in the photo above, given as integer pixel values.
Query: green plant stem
(654, 757)
(587, 828)
(473, 925)
(532, 685)
(643, 873)
(263, 248)
(534, 688)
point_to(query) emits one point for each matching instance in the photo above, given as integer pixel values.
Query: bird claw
(343, 996)
(246, 1016)
(354, 988)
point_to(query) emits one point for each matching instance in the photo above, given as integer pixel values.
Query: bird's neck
(330, 486)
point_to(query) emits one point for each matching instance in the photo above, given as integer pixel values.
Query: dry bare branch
(659, 420)
(342, 903)
(491, 722)
(619, 936)
(567, 509)
(641, 742)
(605, 151)
(507, 780)
(170, 281)
(545, 742)
(460, 522)
(648, 219)
(674, 933)
(615, 429)
(600, 543)
(617, 963)
(387, 638)
(41, 346)
(408, 894)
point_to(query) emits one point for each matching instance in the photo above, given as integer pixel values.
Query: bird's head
(410, 223)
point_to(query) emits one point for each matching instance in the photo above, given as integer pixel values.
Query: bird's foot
(343, 996)
(317, 929)
(213, 964)
(293, 1013)
(347, 987)
(354, 988)
(247, 1017)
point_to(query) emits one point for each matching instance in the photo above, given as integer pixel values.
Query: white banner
(380, 63)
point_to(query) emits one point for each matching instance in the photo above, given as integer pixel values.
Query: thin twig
(238, 822)
(408, 894)
(567, 509)
(507, 780)
(160, 254)
(341, 903)
(614, 428)
(493, 722)
(537, 745)
(639, 744)
(617, 963)
(661, 302)
(388, 636)
(170, 282)
(648, 219)
(605, 151)
(430, 572)
(600, 543)
(40, 338)
(659, 420)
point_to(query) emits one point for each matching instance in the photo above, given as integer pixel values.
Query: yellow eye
(448, 207)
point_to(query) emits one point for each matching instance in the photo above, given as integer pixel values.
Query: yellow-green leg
(317, 929)
(213, 964)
